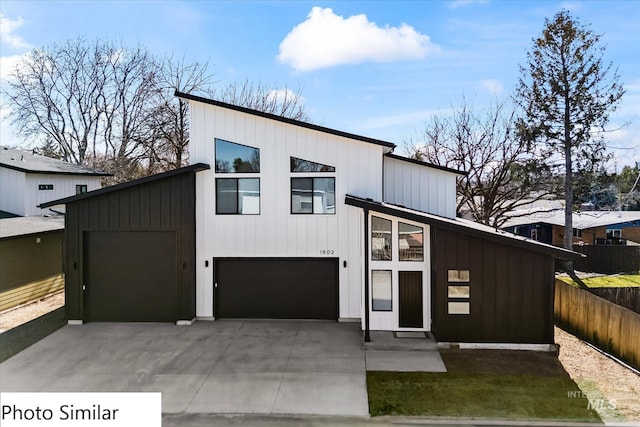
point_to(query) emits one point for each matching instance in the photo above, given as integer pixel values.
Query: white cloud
(282, 95)
(7, 33)
(8, 64)
(492, 86)
(325, 39)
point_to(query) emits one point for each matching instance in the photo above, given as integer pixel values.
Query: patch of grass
(477, 395)
(614, 281)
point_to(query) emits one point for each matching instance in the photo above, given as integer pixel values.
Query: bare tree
(501, 176)
(282, 102)
(101, 104)
(170, 118)
(53, 95)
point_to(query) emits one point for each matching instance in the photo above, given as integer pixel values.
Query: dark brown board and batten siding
(162, 203)
(511, 291)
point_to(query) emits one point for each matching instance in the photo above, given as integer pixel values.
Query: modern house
(278, 218)
(28, 180)
(589, 227)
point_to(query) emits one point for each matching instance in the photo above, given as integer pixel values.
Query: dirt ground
(603, 380)
(24, 313)
(614, 386)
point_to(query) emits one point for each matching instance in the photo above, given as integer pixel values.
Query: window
(301, 165)
(313, 195)
(45, 186)
(458, 275)
(410, 242)
(614, 234)
(381, 290)
(455, 291)
(380, 239)
(236, 158)
(457, 294)
(238, 196)
(577, 232)
(81, 189)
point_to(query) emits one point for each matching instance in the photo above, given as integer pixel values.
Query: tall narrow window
(381, 299)
(380, 239)
(410, 242)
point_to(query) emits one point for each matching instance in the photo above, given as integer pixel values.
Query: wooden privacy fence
(608, 259)
(626, 297)
(608, 326)
(31, 292)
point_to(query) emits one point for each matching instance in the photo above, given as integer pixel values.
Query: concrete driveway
(261, 367)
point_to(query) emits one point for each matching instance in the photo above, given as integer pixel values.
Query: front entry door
(410, 299)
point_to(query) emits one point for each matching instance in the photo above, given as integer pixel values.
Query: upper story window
(45, 186)
(410, 246)
(236, 158)
(240, 194)
(301, 165)
(81, 188)
(312, 194)
(380, 239)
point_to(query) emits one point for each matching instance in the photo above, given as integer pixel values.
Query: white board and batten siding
(21, 193)
(275, 232)
(420, 187)
(12, 188)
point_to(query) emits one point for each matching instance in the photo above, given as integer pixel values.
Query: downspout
(367, 336)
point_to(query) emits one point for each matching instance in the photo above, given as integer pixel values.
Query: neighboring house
(589, 227)
(28, 180)
(285, 219)
(30, 258)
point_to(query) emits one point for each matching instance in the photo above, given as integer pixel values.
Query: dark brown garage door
(130, 276)
(268, 288)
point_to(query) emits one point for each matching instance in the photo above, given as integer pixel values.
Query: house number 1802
(327, 251)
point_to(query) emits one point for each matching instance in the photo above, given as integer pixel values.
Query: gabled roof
(581, 220)
(429, 165)
(26, 161)
(188, 169)
(391, 146)
(462, 226)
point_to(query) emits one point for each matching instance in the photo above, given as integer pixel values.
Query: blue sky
(379, 69)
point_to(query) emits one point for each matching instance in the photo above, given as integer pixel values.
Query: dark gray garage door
(130, 276)
(268, 288)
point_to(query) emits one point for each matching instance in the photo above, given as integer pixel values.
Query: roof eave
(187, 169)
(388, 145)
(449, 225)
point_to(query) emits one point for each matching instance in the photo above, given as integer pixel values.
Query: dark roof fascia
(31, 234)
(426, 164)
(187, 169)
(285, 120)
(43, 172)
(449, 225)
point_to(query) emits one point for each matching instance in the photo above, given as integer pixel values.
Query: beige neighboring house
(27, 180)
